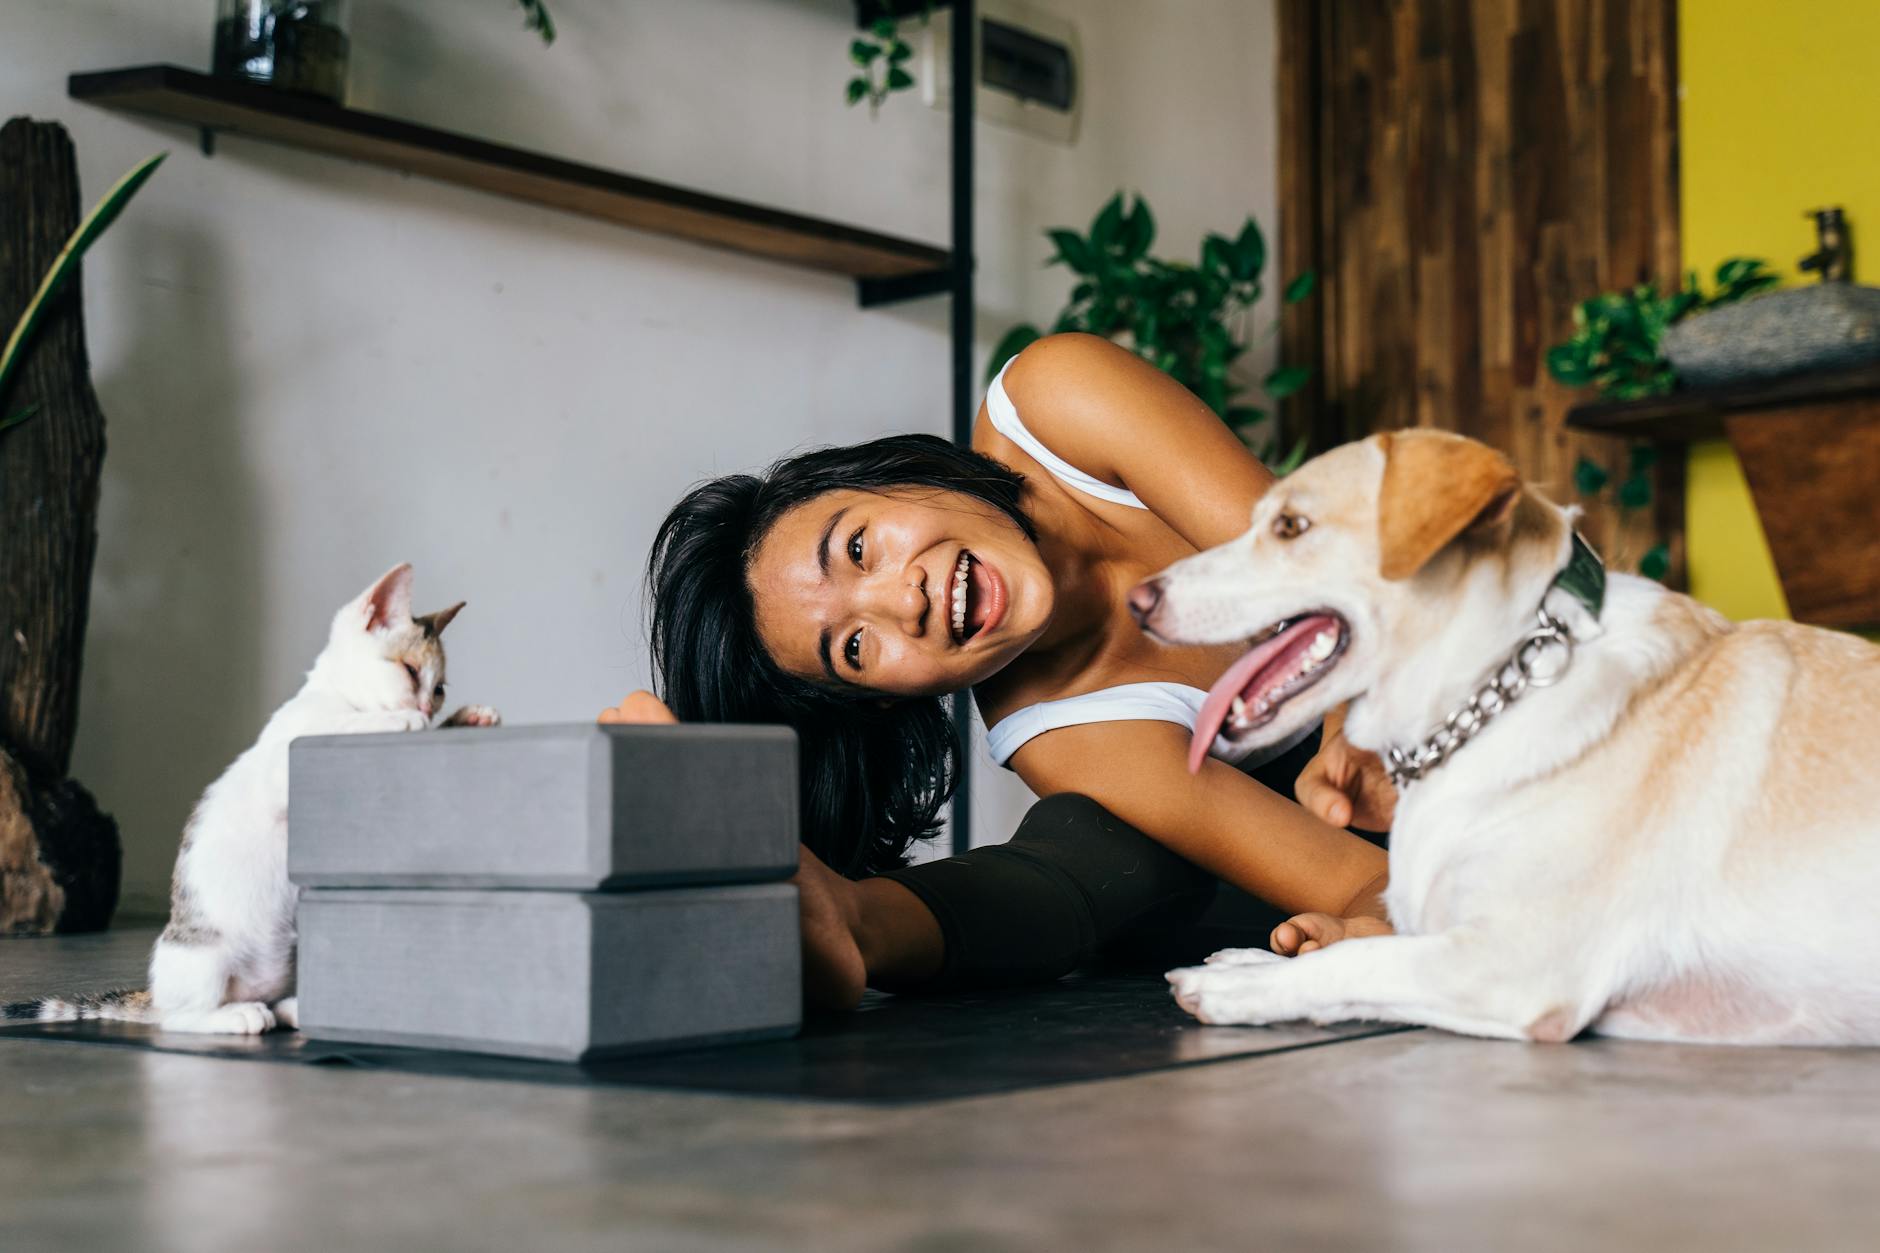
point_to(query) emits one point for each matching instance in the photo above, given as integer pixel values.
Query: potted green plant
(1617, 347)
(1191, 320)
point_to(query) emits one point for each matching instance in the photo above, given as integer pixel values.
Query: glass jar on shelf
(292, 45)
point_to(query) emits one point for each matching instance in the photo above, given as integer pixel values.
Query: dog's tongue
(1221, 696)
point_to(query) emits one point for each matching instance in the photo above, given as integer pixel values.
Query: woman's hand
(1298, 936)
(834, 974)
(1346, 786)
(641, 706)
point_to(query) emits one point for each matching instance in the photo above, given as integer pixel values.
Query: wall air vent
(1028, 72)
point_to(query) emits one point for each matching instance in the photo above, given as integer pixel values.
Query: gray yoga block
(558, 975)
(578, 807)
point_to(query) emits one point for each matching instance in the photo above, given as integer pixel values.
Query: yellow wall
(1779, 114)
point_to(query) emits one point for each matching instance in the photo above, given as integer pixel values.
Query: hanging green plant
(1628, 494)
(538, 19)
(1616, 348)
(881, 57)
(1616, 335)
(1187, 319)
(63, 267)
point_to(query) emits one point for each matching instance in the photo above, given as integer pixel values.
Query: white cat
(225, 963)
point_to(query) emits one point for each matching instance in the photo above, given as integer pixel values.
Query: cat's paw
(239, 1018)
(474, 716)
(287, 1012)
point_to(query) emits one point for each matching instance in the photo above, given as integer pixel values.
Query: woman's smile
(900, 593)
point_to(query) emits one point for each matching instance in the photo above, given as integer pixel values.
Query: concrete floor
(1418, 1141)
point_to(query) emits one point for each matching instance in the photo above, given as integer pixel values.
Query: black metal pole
(965, 83)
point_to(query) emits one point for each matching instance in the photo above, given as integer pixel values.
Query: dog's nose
(1144, 598)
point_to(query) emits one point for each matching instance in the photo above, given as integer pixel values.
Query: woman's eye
(1291, 525)
(852, 651)
(855, 547)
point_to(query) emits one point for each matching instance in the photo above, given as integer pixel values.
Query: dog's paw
(474, 716)
(239, 1018)
(1243, 957)
(1232, 993)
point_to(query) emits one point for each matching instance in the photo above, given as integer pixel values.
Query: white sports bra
(1127, 702)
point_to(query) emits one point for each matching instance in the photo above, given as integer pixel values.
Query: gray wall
(314, 369)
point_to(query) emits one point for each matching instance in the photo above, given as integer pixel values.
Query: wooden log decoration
(59, 856)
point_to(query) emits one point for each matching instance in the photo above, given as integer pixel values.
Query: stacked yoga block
(562, 892)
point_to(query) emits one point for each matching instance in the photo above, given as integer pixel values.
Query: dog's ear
(1436, 487)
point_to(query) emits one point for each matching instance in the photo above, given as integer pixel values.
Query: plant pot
(291, 45)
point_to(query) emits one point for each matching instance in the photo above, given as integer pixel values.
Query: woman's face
(863, 591)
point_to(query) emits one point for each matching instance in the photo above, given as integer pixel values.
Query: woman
(851, 589)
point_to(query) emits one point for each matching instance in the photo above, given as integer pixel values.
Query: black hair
(874, 776)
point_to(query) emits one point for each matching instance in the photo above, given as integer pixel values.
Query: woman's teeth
(959, 595)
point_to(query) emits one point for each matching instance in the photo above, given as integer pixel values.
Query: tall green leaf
(66, 264)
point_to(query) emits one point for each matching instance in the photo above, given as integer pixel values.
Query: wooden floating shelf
(1699, 413)
(1810, 448)
(886, 267)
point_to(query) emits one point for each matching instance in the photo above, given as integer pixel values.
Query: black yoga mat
(895, 1050)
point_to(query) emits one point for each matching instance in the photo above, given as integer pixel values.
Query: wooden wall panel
(1461, 173)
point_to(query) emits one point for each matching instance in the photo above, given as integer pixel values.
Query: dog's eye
(1291, 525)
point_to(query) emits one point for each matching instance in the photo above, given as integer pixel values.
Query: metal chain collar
(1522, 670)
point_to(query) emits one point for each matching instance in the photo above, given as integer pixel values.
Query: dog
(1617, 811)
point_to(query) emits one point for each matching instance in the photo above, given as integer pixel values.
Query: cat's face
(388, 659)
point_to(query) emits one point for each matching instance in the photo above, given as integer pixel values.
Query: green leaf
(862, 52)
(899, 79)
(1736, 269)
(1073, 251)
(1240, 417)
(1299, 288)
(1108, 224)
(1286, 380)
(1635, 492)
(18, 416)
(900, 50)
(883, 28)
(1138, 230)
(1294, 459)
(66, 263)
(1249, 251)
(858, 87)
(1566, 363)
(1643, 457)
(538, 20)
(1656, 563)
(1589, 477)
(1010, 345)
(1217, 253)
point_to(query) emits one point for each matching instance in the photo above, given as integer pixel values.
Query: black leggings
(1076, 884)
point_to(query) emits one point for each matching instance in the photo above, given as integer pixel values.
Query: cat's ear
(388, 602)
(434, 623)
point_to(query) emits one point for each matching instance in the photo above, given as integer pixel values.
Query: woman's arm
(1107, 411)
(1219, 819)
